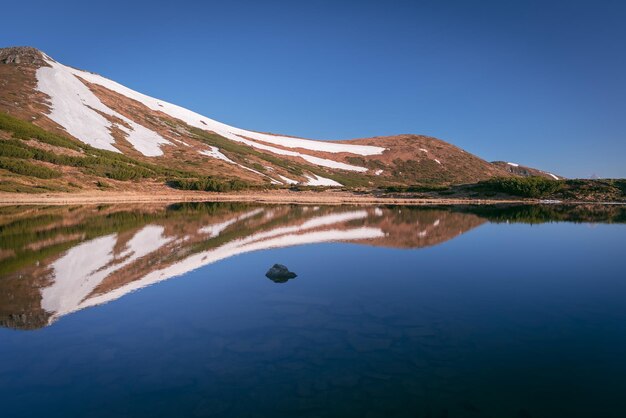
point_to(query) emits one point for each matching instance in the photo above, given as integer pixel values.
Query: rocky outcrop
(21, 55)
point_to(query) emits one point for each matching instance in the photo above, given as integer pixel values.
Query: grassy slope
(68, 165)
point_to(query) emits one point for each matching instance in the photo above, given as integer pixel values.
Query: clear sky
(541, 83)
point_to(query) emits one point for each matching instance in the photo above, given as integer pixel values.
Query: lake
(163, 311)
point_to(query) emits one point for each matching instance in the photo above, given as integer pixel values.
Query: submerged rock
(280, 274)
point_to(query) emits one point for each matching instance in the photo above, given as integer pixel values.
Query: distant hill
(520, 170)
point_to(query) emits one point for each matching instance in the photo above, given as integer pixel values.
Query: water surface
(396, 311)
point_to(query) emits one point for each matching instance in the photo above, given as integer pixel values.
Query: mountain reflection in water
(58, 260)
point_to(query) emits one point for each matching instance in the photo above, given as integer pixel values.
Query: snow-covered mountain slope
(107, 115)
(78, 110)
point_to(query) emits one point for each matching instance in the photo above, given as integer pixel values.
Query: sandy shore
(280, 196)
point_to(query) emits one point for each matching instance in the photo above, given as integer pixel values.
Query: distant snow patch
(423, 149)
(314, 180)
(513, 164)
(437, 161)
(324, 162)
(378, 172)
(180, 141)
(287, 180)
(216, 153)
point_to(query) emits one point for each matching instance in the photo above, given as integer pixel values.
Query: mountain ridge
(108, 116)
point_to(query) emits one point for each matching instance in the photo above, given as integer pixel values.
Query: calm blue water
(488, 320)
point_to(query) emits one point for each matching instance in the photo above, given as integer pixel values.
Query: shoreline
(273, 197)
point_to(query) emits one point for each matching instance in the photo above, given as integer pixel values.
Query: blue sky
(541, 83)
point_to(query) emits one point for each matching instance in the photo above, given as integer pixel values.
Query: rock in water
(279, 274)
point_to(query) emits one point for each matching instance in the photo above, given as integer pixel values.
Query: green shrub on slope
(524, 186)
(27, 169)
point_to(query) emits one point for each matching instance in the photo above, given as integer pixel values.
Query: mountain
(81, 131)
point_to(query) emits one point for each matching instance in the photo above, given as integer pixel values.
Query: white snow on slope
(287, 180)
(240, 135)
(75, 108)
(513, 164)
(196, 120)
(437, 161)
(324, 162)
(179, 141)
(553, 176)
(216, 153)
(314, 180)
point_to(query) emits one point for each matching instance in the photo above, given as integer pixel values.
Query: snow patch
(378, 172)
(309, 158)
(216, 153)
(437, 161)
(287, 180)
(513, 164)
(179, 140)
(314, 180)
(75, 108)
